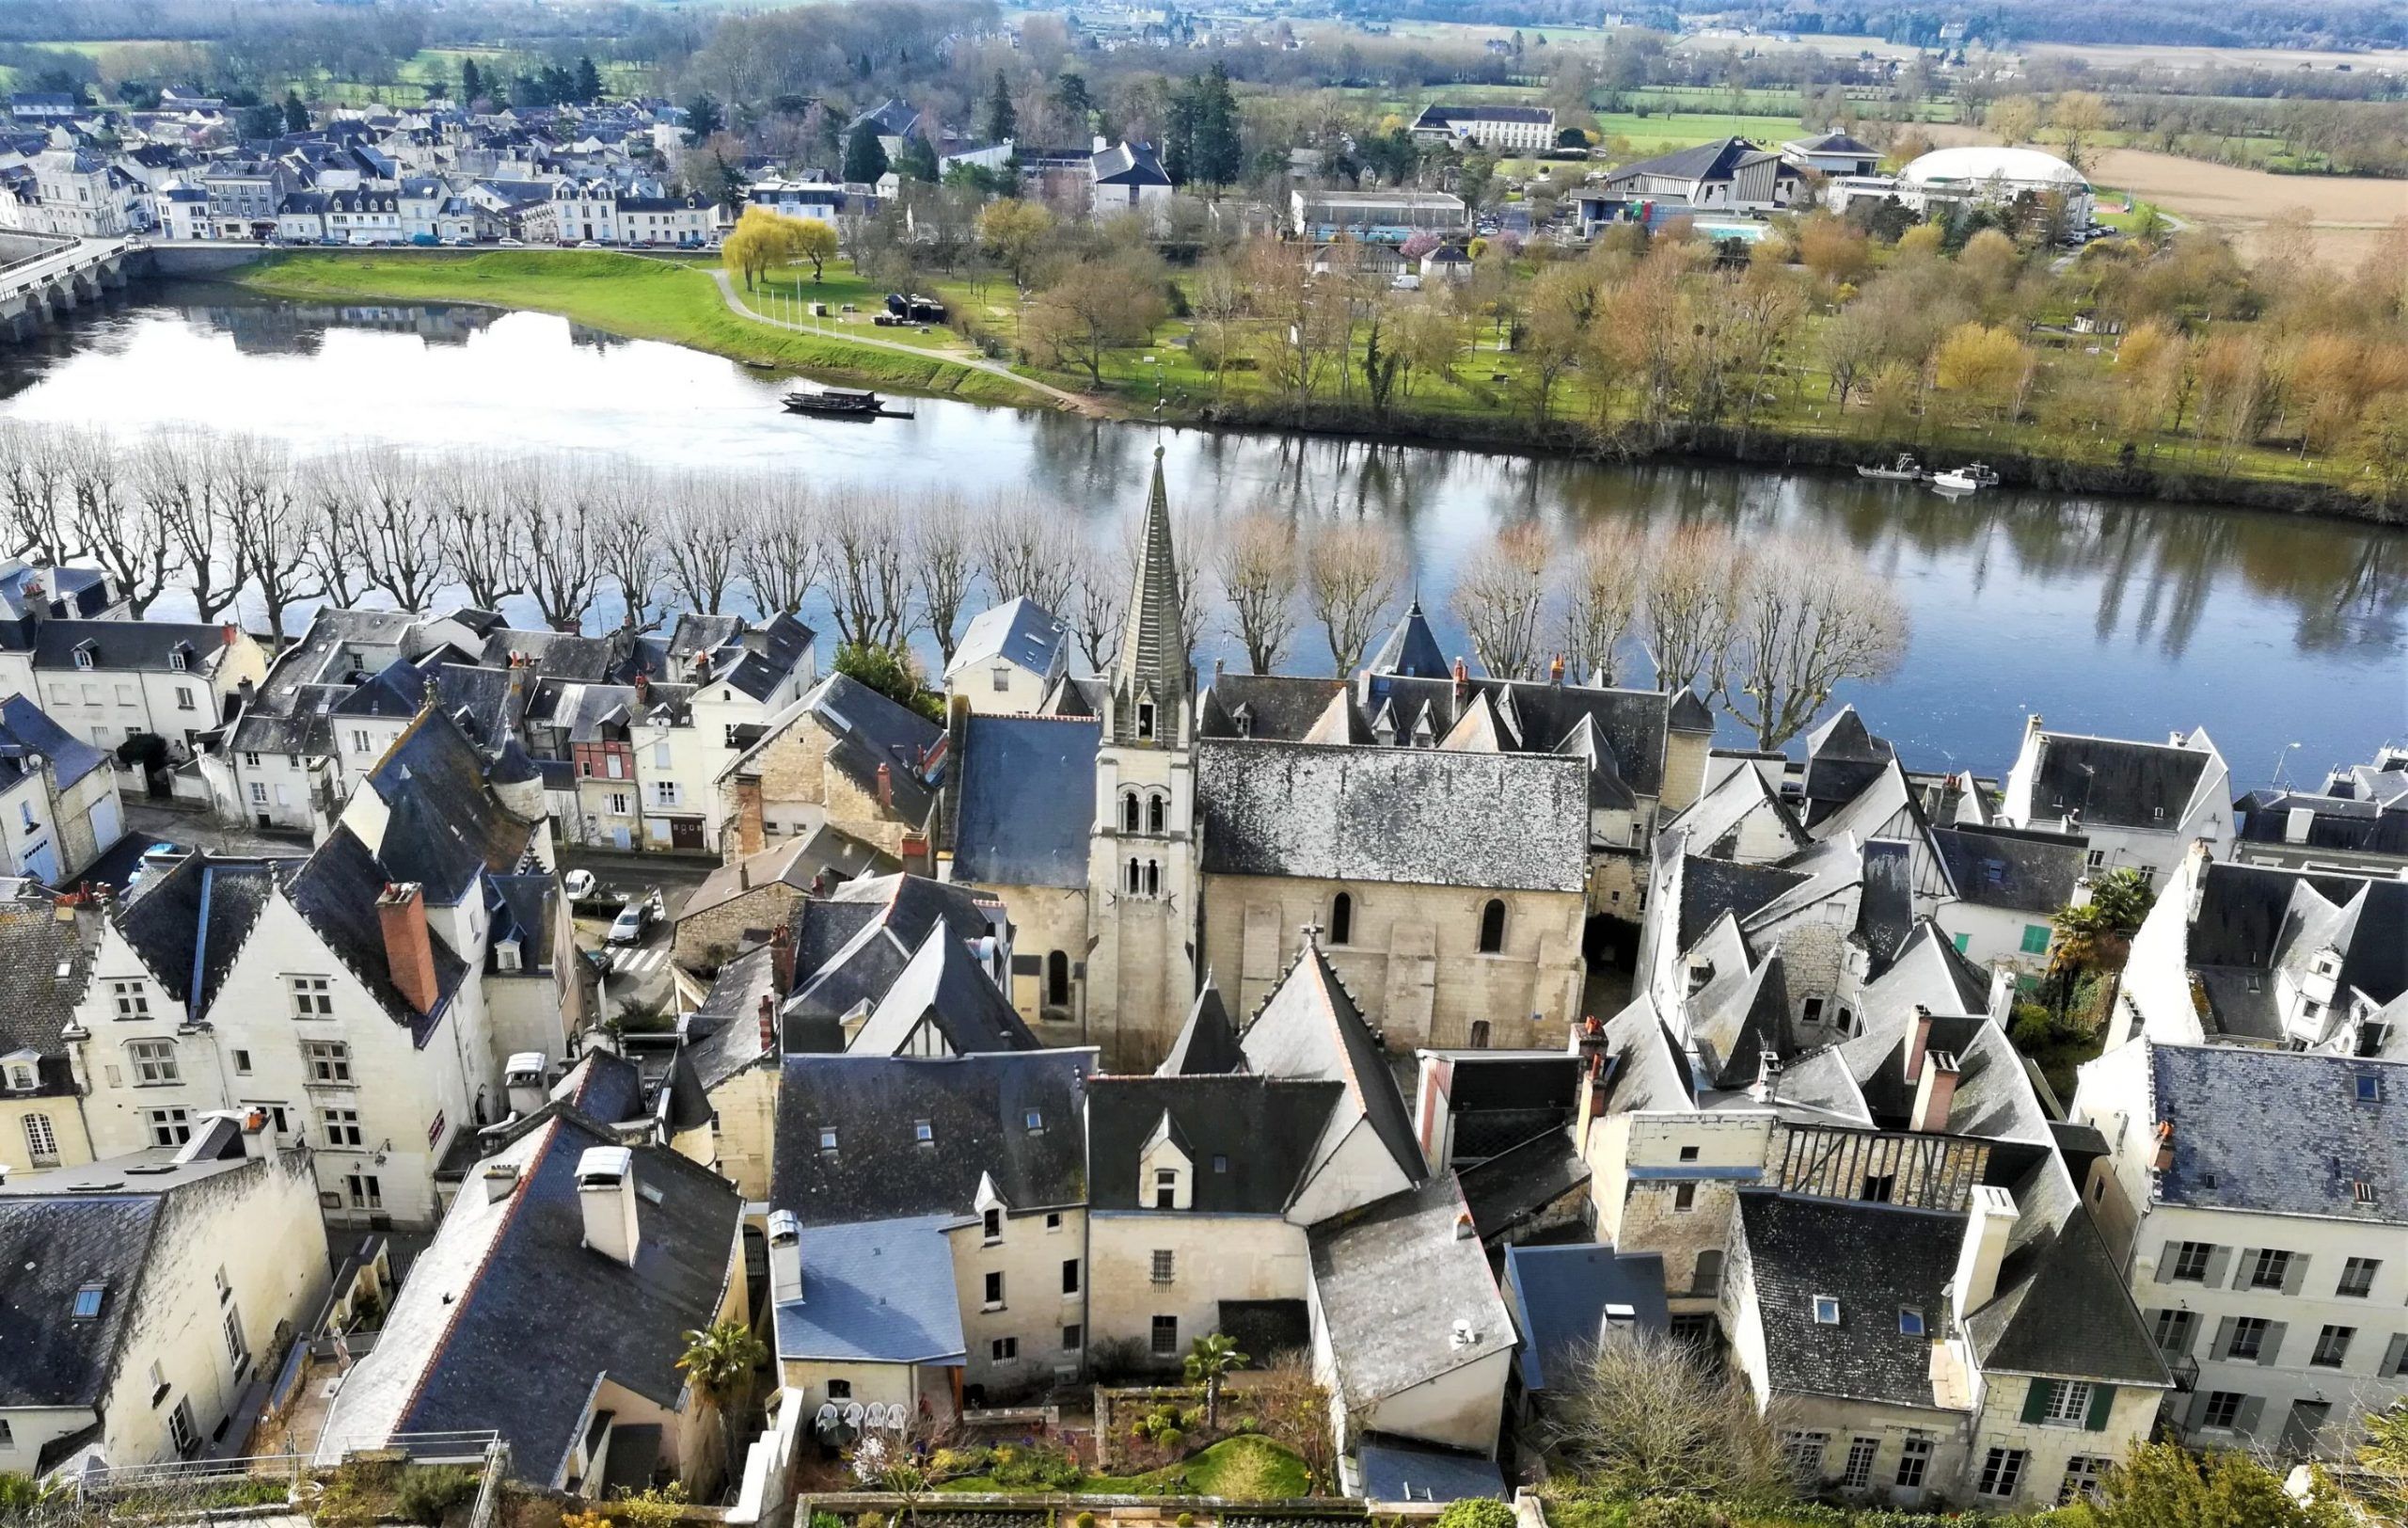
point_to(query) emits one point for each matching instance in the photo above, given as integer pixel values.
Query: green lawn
(646, 299)
(1203, 1474)
(788, 295)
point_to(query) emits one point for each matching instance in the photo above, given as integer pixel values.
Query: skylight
(2369, 1088)
(1035, 1120)
(1910, 1321)
(87, 1302)
(828, 1140)
(922, 1132)
(1826, 1310)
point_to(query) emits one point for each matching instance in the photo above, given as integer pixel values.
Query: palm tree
(1209, 1359)
(718, 1362)
(2097, 935)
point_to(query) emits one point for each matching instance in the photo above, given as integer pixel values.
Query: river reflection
(2110, 616)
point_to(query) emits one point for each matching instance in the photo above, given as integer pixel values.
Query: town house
(113, 682)
(2140, 806)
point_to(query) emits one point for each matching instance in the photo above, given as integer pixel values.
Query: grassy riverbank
(628, 294)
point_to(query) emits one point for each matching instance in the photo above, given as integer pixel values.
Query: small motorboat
(1906, 470)
(1966, 479)
(841, 402)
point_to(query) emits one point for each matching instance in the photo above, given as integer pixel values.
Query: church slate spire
(1151, 679)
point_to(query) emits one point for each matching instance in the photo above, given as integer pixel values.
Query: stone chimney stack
(1989, 1221)
(885, 788)
(769, 1023)
(748, 815)
(409, 950)
(231, 633)
(606, 1194)
(785, 1258)
(1917, 1043)
(782, 957)
(1935, 1092)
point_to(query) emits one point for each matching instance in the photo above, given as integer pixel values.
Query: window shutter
(2166, 1256)
(2248, 1260)
(2035, 1398)
(2392, 1355)
(2251, 1407)
(2295, 1273)
(2197, 1413)
(2271, 1348)
(2102, 1401)
(2222, 1347)
(2217, 1258)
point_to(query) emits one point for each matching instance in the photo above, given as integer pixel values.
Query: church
(1457, 845)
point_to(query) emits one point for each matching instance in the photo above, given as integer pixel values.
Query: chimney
(522, 1081)
(1555, 671)
(2031, 727)
(748, 815)
(231, 632)
(1917, 1043)
(785, 1258)
(769, 1023)
(1935, 1092)
(643, 690)
(1463, 680)
(500, 1179)
(400, 910)
(782, 957)
(1463, 1226)
(257, 1140)
(248, 692)
(2202, 851)
(1989, 1220)
(885, 788)
(2163, 1160)
(606, 1192)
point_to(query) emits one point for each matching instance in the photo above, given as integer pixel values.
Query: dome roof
(1976, 163)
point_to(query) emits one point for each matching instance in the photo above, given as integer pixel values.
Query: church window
(1153, 878)
(1145, 719)
(1157, 813)
(1492, 926)
(1133, 880)
(1341, 919)
(1128, 811)
(1057, 980)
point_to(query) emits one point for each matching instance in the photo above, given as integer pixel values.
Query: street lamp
(2282, 757)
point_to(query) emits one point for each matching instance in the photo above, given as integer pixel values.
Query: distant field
(2128, 56)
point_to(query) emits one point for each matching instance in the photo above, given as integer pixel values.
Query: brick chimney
(1936, 1091)
(1463, 680)
(1917, 1041)
(769, 1023)
(782, 957)
(643, 690)
(231, 632)
(401, 912)
(1555, 671)
(748, 815)
(885, 788)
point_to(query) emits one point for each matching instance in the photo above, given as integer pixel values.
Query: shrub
(870, 1519)
(425, 1494)
(1478, 1513)
(655, 1508)
(1677, 1512)
(818, 1520)
(1035, 1465)
(1185, 1519)
(593, 1518)
(1084, 1519)
(948, 1463)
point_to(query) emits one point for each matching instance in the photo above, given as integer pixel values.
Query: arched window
(1153, 878)
(1341, 919)
(1480, 1034)
(1157, 813)
(1128, 811)
(1057, 980)
(1132, 878)
(1492, 926)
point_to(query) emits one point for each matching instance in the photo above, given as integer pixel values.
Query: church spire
(1152, 668)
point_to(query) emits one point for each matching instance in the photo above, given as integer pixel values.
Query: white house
(2258, 1202)
(145, 1292)
(1488, 125)
(59, 802)
(1125, 177)
(109, 681)
(2141, 805)
(1010, 658)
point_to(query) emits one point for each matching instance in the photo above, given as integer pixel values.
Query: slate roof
(124, 646)
(1876, 1259)
(1397, 1470)
(793, 862)
(1410, 647)
(1392, 1281)
(335, 893)
(1508, 1188)
(1842, 758)
(1559, 1294)
(850, 946)
(876, 1291)
(871, 730)
(1711, 888)
(2010, 869)
(52, 1246)
(1206, 1043)
(190, 921)
(1018, 631)
(25, 730)
(604, 1088)
(444, 826)
(1644, 1066)
(2281, 1132)
(2062, 1309)
(2114, 782)
(1127, 163)
(977, 1107)
(942, 986)
(1416, 816)
(1631, 723)
(724, 1036)
(46, 964)
(1270, 707)
(1252, 1139)
(1028, 800)
(502, 1279)
(1716, 160)
(1310, 1027)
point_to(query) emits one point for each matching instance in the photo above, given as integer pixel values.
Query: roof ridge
(458, 1304)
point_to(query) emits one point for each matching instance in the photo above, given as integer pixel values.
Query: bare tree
(268, 526)
(397, 543)
(201, 464)
(1501, 594)
(563, 552)
(1686, 612)
(783, 557)
(869, 574)
(334, 543)
(480, 523)
(626, 536)
(33, 479)
(1602, 579)
(944, 566)
(1806, 616)
(1257, 567)
(704, 531)
(135, 546)
(1024, 549)
(1098, 600)
(1643, 1416)
(1353, 574)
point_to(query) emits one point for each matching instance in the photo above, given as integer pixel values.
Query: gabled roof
(1875, 1260)
(335, 892)
(1310, 1027)
(1127, 163)
(443, 825)
(851, 946)
(1716, 160)
(870, 731)
(942, 989)
(1410, 648)
(1028, 800)
(1393, 1282)
(1561, 1295)
(2116, 783)
(2012, 869)
(1207, 1044)
(1250, 1141)
(188, 922)
(2063, 1310)
(27, 732)
(126, 647)
(46, 953)
(53, 1246)
(1018, 631)
(977, 1108)
(876, 1292)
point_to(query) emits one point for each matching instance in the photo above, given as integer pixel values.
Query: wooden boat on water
(841, 402)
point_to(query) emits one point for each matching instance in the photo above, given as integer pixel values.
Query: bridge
(43, 276)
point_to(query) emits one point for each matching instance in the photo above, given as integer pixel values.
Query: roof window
(1035, 1120)
(1826, 1310)
(922, 1132)
(2369, 1088)
(1910, 1321)
(828, 1142)
(2362, 1191)
(87, 1302)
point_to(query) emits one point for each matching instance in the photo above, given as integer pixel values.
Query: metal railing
(182, 1491)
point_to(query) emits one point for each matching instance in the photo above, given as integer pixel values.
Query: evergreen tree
(472, 84)
(1219, 147)
(1178, 144)
(589, 82)
(1070, 96)
(1002, 120)
(918, 161)
(703, 117)
(297, 115)
(864, 156)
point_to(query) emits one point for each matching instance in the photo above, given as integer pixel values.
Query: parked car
(589, 243)
(579, 884)
(627, 928)
(510, 244)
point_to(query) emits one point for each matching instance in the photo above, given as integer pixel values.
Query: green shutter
(2103, 1400)
(2036, 939)
(2035, 1398)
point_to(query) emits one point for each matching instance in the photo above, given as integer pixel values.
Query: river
(2118, 617)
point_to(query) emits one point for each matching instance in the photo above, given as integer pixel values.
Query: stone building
(843, 755)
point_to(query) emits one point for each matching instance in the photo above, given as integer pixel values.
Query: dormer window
(176, 660)
(506, 955)
(83, 658)
(22, 1077)
(923, 1132)
(990, 1225)
(2369, 1088)
(1910, 1321)
(1826, 1310)
(1166, 1188)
